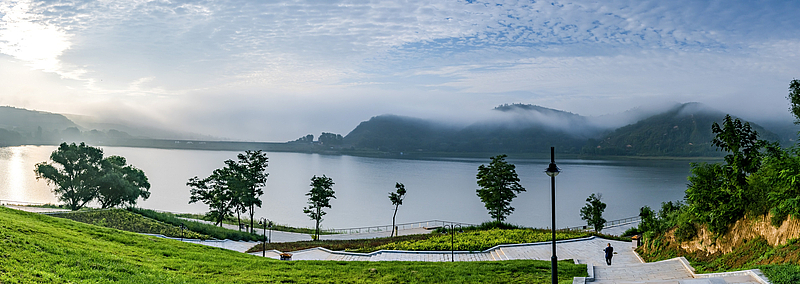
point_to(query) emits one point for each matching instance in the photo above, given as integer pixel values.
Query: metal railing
(609, 224)
(430, 224)
(21, 203)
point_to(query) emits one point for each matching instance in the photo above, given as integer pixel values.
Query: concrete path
(626, 268)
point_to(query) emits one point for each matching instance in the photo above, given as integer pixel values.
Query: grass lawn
(42, 249)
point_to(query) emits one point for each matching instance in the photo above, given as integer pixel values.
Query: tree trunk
(317, 219)
(252, 212)
(238, 219)
(393, 218)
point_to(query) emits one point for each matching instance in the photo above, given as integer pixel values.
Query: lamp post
(264, 222)
(452, 239)
(552, 171)
(269, 225)
(183, 231)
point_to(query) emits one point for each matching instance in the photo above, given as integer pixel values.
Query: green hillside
(37, 248)
(519, 129)
(681, 131)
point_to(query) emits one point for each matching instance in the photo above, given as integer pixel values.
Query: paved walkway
(626, 268)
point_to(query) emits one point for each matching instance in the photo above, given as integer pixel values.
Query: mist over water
(442, 189)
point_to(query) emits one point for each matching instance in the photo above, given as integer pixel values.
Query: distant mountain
(20, 126)
(517, 128)
(681, 130)
(684, 130)
(29, 121)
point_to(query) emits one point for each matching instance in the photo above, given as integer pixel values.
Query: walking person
(609, 253)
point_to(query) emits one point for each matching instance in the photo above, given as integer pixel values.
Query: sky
(278, 70)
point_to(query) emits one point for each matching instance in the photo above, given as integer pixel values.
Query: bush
(685, 232)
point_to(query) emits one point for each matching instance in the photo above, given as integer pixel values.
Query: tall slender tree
(215, 192)
(499, 185)
(318, 198)
(397, 200)
(250, 169)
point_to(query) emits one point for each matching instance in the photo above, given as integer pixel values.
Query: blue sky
(277, 70)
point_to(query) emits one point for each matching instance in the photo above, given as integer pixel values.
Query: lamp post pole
(263, 222)
(183, 231)
(452, 239)
(553, 171)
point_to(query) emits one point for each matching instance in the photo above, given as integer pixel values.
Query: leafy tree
(499, 185)
(215, 192)
(74, 172)
(318, 198)
(251, 175)
(743, 146)
(649, 221)
(397, 200)
(592, 212)
(794, 99)
(719, 194)
(330, 138)
(120, 183)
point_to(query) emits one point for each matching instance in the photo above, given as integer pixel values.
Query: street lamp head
(552, 170)
(269, 223)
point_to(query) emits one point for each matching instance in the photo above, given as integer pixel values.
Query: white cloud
(24, 37)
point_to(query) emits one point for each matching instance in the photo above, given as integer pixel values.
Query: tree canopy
(592, 212)
(499, 185)
(397, 200)
(80, 174)
(319, 197)
(235, 188)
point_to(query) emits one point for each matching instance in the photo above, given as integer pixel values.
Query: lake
(442, 189)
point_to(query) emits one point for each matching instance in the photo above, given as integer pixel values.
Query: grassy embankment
(37, 248)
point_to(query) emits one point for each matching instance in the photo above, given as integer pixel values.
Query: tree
(743, 146)
(499, 184)
(215, 192)
(397, 200)
(330, 138)
(592, 212)
(121, 184)
(74, 171)
(794, 99)
(250, 170)
(318, 198)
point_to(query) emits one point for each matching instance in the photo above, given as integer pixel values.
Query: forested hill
(684, 130)
(522, 129)
(24, 120)
(681, 131)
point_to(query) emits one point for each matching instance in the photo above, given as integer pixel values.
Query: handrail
(609, 224)
(15, 202)
(423, 224)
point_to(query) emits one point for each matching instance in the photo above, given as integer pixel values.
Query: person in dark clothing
(609, 253)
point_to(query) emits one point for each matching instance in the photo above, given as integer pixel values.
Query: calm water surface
(442, 189)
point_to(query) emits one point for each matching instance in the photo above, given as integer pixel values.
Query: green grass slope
(42, 249)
